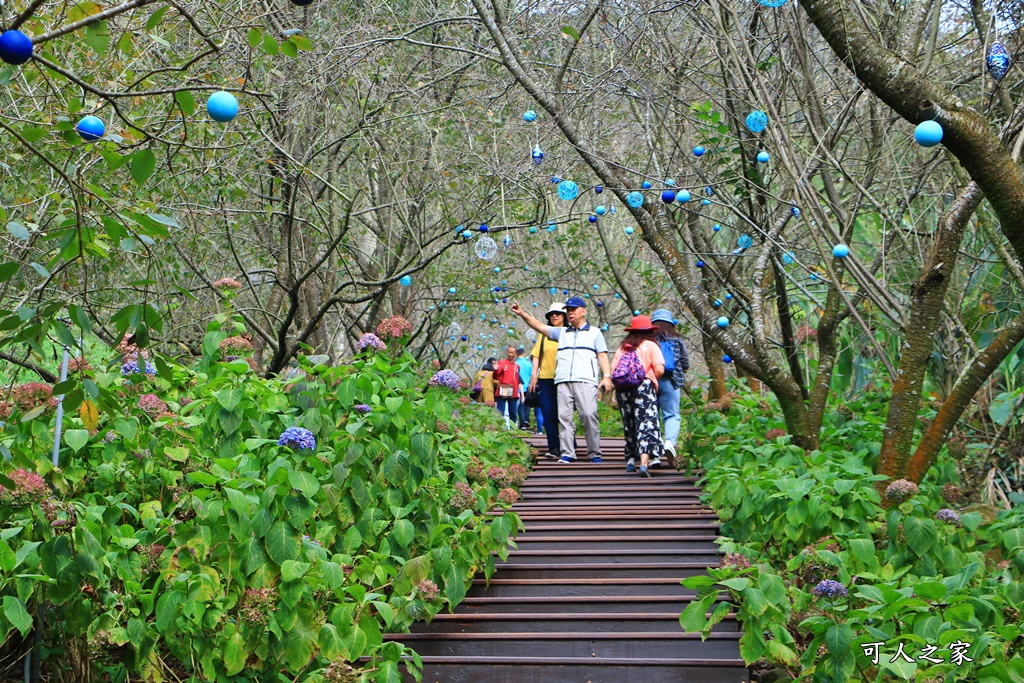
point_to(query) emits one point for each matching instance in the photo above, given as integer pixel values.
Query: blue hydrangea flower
(130, 368)
(371, 341)
(948, 516)
(830, 589)
(297, 438)
(445, 378)
(363, 408)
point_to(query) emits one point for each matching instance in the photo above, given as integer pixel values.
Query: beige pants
(581, 397)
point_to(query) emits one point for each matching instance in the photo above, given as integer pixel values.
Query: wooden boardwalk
(593, 593)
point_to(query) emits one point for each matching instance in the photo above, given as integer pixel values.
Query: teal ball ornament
(684, 196)
(529, 116)
(600, 210)
(668, 196)
(645, 185)
(533, 230)
(568, 190)
(222, 106)
(723, 322)
(928, 133)
(757, 121)
(466, 234)
(840, 251)
(716, 227)
(635, 199)
(670, 182)
(405, 280)
(629, 231)
(91, 128)
(636, 312)
(15, 47)
(763, 157)
(452, 290)
(698, 151)
(717, 303)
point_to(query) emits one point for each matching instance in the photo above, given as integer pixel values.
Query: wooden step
(635, 644)
(589, 587)
(553, 622)
(588, 670)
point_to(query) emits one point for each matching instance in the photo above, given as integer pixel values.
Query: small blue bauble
(600, 210)
(723, 322)
(668, 196)
(222, 106)
(586, 295)
(795, 211)
(504, 301)
(599, 304)
(709, 190)
(483, 227)
(597, 287)
(757, 121)
(700, 264)
(646, 185)
(684, 196)
(636, 312)
(717, 303)
(593, 218)
(533, 230)
(552, 291)
(552, 227)
(705, 202)
(537, 154)
(555, 179)
(788, 257)
(763, 157)
(745, 241)
(15, 47)
(530, 116)
(617, 296)
(598, 189)
(698, 151)
(629, 231)
(568, 190)
(726, 358)
(928, 133)
(405, 280)
(465, 338)
(728, 296)
(840, 251)
(535, 304)
(670, 182)
(91, 128)
(716, 227)
(635, 199)
(467, 234)
(452, 290)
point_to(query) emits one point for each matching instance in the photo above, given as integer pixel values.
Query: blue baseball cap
(575, 302)
(663, 315)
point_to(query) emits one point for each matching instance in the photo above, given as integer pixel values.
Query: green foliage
(191, 539)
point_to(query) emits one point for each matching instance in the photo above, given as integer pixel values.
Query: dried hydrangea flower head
(948, 516)
(29, 488)
(901, 490)
(227, 284)
(151, 404)
(508, 496)
(463, 498)
(735, 560)
(394, 327)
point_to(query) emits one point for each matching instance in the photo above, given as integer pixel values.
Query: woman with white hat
(542, 379)
(677, 362)
(638, 364)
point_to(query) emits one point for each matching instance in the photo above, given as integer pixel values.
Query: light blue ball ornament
(645, 185)
(635, 199)
(928, 133)
(717, 303)
(716, 227)
(467, 234)
(705, 202)
(763, 157)
(840, 251)
(535, 304)
(698, 151)
(723, 322)
(757, 121)
(222, 106)
(552, 227)
(600, 210)
(668, 196)
(636, 312)
(91, 128)
(552, 291)
(405, 280)
(568, 190)
(670, 182)
(533, 230)
(788, 258)
(452, 290)
(745, 241)
(629, 231)
(728, 296)
(795, 211)
(684, 196)
(529, 116)
(617, 296)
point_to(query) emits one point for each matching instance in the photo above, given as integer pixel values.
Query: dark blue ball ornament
(593, 218)
(598, 189)
(465, 338)
(537, 155)
(997, 61)
(668, 196)
(91, 128)
(555, 179)
(483, 227)
(15, 47)
(727, 358)
(928, 133)
(795, 211)
(222, 106)
(700, 264)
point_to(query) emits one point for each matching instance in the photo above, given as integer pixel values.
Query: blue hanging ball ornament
(552, 227)
(222, 106)
(529, 116)
(635, 199)
(504, 301)
(497, 269)
(705, 202)
(15, 47)
(464, 338)
(552, 291)
(452, 290)
(840, 251)
(568, 190)
(745, 241)
(597, 287)
(484, 227)
(533, 230)
(467, 234)
(600, 210)
(593, 218)
(717, 303)
(636, 312)
(91, 128)
(604, 327)
(709, 190)
(629, 231)
(728, 296)
(555, 179)
(586, 295)
(700, 264)
(617, 296)
(645, 185)
(716, 227)
(997, 61)
(565, 291)
(463, 308)
(668, 196)
(535, 304)
(928, 133)
(726, 358)
(788, 258)
(723, 322)
(763, 157)
(405, 280)
(507, 241)
(684, 196)
(757, 121)
(537, 154)
(670, 182)
(698, 151)
(813, 277)
(795, 211)
(599, 304)
(598, 189)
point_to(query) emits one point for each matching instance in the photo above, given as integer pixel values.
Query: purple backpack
(629, 372)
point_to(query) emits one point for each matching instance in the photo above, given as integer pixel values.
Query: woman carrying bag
(677, 362)
(542, 380)
(483, 383)
(636, 367)
(506, 385)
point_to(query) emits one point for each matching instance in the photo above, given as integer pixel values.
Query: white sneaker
(655, 463)
(670, 454)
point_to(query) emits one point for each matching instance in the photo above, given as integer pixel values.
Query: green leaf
(19, 231)
(270, 45)
(292, 570)
(229, 398)
(737, 584)
(142, 166)
(388, 673)
(353, 540)
(404, 532)
(281, 542)
(14, 610)
(930, 590)
(921, 534)
(76, 438)
(694, 616)
(838, 639)
(7, 270)
(571, 32)
(331, 645)
(163, 220)
(155, 18)
(255, 37)
(186, 101)
(8, 560)
(41, 269)
(290, 49)
(235, 654)
(304, 482)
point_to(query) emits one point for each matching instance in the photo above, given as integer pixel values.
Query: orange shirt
(650, 355)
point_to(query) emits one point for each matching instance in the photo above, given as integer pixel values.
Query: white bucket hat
(557, 307)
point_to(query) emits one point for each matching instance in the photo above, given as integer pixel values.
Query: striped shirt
(577, 353)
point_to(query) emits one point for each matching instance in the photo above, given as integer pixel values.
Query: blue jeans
(513, 407)
(524, 415)
(549, 412)
(668, 403)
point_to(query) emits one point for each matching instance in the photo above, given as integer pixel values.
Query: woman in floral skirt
(639, 405)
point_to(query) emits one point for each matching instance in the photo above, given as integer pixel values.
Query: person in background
(542, 379)
(525, 372)
(506, 385)
(582, 352)
(485, 379)
(677, 362)
(639, 404)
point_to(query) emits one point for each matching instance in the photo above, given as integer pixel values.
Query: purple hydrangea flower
(130, 368)
(371, 341)
(445, 378)
(297, 438)
(948, 516)
(363, 408)
(830, 589)
(150, 368)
